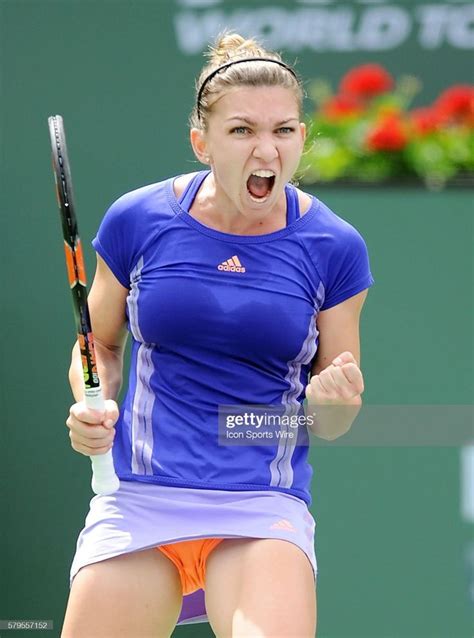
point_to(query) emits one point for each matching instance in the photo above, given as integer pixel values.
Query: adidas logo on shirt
(231, 265)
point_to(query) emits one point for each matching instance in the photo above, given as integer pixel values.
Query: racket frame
(104, 478)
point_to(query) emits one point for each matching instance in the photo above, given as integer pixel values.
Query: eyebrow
(242, 118)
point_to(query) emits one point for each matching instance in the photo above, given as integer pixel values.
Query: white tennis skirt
(142, 515)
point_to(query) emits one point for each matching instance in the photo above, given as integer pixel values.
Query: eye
(286, 130)
(240, 130)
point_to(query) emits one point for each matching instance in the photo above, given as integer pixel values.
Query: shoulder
(334, 245)
(138, 214)
(180, 182)
(325, 224)
(143, 198)
(130, 223)
(150, 204)
(325, 219)
(305, 201)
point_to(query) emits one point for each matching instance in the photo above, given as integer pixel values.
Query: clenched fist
(341, 382)
(92, 432)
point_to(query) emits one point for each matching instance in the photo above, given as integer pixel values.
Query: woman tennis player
(238, 289)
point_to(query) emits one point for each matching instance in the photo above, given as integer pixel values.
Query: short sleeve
(131, 224)
(116, 240)
(348, 269)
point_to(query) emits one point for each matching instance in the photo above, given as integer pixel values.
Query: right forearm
(109, 368)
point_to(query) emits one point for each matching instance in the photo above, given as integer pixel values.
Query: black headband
(228, 64)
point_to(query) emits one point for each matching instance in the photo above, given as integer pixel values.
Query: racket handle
(104, 479)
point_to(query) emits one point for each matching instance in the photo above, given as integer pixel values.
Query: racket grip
(104, 479)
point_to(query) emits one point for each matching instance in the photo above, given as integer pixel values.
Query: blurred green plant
(366, 131)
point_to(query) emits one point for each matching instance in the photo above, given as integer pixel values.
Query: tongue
(258, 186)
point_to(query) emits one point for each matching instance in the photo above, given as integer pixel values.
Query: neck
(214, 209)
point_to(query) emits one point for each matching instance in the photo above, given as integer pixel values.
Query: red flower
(425, 120)
(456, 104)
(389, 134)
(340, 106)
(366, 81)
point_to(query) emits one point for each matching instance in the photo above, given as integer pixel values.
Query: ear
(303, 131)
(198, 142)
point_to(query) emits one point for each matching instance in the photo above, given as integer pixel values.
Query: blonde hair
(230, 48)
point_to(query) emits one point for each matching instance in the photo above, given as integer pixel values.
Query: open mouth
(260, 185)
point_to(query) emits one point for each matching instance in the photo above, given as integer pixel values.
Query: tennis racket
(104, 479)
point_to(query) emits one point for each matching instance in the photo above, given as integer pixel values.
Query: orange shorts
(190, 559)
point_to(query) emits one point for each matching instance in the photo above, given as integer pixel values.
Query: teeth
(260, 200)
(263, 173)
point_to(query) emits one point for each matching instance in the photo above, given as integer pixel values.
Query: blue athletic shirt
(218, 319)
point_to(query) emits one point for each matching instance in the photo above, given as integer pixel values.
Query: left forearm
(334, 390)
(330, 421)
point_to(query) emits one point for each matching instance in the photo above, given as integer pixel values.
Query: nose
(265, 149)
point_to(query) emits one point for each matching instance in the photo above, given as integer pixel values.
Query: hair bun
(232, 45)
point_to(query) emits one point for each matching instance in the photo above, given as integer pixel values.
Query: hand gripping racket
(104, 479)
